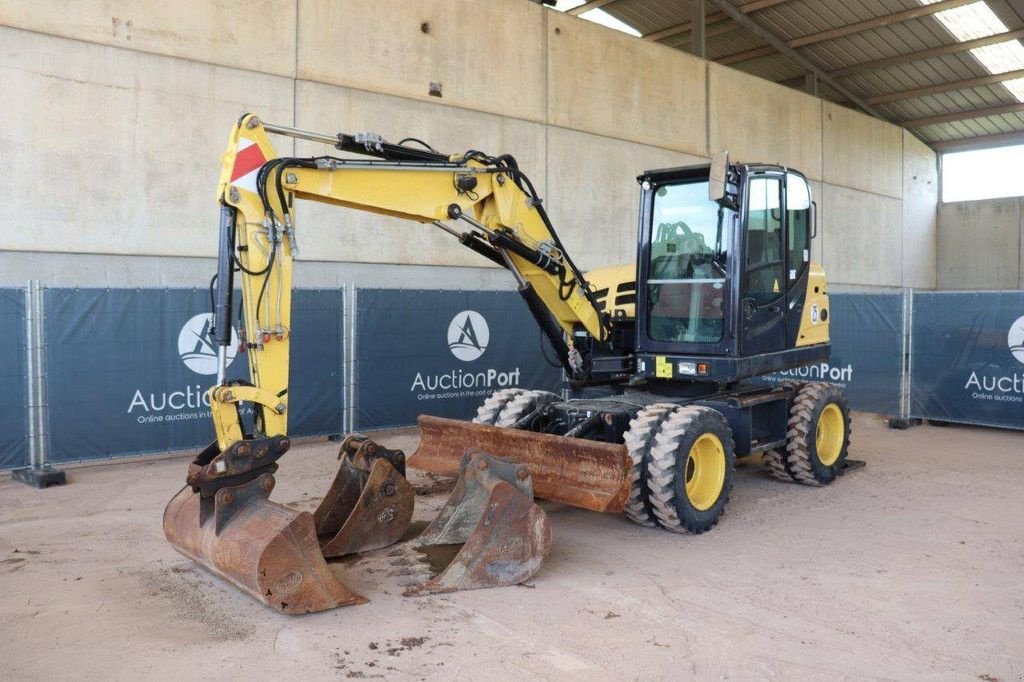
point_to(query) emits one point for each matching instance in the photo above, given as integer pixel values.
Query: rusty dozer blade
(582, 473)
(504, 535)
(370, 502)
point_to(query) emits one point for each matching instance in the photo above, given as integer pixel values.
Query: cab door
(763, 283)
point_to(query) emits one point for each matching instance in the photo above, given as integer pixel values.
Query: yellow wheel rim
(831, 433)
(705, 471)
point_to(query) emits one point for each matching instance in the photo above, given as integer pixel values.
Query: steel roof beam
(780, 45)
(928, 54)
(963, 115)
(964, 84)
(715, 18)
(850, 29)
(983, 142)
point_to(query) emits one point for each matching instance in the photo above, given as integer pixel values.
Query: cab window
(798, 210)
(765, 276)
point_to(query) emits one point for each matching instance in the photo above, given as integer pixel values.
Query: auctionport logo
(1015, 339)
(468, 335)
(196, 347)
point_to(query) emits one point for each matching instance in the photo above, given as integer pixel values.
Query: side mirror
(719, 175)
(814, 219)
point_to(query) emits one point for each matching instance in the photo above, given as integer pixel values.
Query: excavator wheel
(819, 434)
(522, 405)
(489, 412)
(690, 472)
(639, 438)
(775, 462)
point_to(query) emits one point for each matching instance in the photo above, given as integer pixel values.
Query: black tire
(492, 407)
(774, 462)
(522, 405)
(638, 438)
(803, 461)
(670, 467)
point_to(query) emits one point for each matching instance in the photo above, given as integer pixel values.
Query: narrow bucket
(266, 549)
(582, 473)
(370, 503)
(490, 526)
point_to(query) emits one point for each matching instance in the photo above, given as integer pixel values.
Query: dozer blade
(582, 473)
(504, 535)
(369, 504)
(265, 548)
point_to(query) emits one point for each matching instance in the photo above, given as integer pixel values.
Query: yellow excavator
(662, 359)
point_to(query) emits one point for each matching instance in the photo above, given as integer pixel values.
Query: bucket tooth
(267, 549)
(504, 535)
(370, 503)
(581, 473)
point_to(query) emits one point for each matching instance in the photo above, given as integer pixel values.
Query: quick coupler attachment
(370, 503)
(489, 533)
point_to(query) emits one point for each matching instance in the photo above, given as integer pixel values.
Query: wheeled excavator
(662, 358)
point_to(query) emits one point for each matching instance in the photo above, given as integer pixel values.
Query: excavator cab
(725, 278)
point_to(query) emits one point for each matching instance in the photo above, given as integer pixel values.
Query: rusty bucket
(370, 503)
(581, 473)
(224, 520)
(267, 549)
(490, 527)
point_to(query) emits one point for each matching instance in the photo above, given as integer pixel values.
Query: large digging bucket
(267, 549)
(370, 502)
(490, 527)
(582, 473)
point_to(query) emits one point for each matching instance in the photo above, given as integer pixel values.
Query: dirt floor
(910, 568)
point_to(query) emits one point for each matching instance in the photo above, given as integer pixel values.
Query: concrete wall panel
(113, 151)
(594, 197)
(602, 81)
(756, 120)
(488, 56)
(258, 35)
(861, 152)
(980, 244)
(920, 194)
(332, 233)
(862, 238)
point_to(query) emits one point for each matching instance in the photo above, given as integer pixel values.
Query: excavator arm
(486, 203)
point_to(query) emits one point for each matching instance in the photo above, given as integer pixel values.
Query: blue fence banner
(866, 332)
(967, 357)
(442, 353)
(128, 369)
(14, 379)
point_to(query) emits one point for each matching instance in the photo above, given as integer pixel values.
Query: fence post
(903, 420)
(351, 314)
(39, 473)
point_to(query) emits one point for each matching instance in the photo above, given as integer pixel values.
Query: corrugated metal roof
(797, 19)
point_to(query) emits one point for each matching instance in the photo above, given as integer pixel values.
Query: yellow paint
(812, 329)
(610, 277)
(422, 196)
(830, 434)
(662, 367)
(705, 471)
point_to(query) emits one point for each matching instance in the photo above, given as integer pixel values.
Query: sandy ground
(910, 568)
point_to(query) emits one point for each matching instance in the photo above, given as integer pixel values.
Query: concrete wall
(981, 244)
(116, 112)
